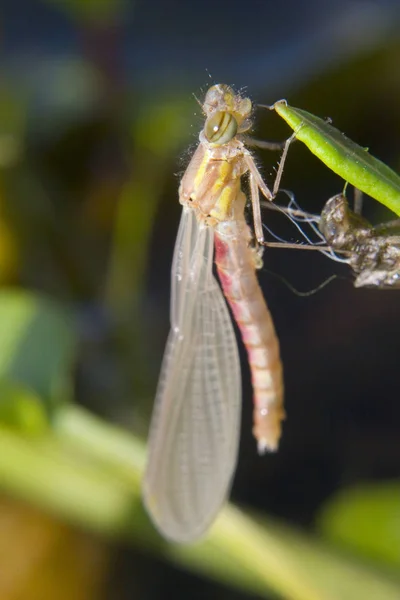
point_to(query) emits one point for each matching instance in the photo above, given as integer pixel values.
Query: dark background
(98, 107)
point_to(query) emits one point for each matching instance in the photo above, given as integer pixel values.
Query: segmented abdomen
(236, 263)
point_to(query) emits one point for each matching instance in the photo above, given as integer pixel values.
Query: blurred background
(98, 119)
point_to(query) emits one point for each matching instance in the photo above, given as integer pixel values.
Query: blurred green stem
(157, 132)
(89, 472)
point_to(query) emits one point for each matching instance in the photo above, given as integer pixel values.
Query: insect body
(195, 426)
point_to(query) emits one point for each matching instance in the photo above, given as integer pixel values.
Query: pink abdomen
(235, 263)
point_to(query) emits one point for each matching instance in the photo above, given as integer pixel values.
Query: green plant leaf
(343, 156)
(21, 408)
(37, 346)
(365, 519)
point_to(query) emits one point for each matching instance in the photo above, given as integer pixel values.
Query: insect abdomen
(236, 269)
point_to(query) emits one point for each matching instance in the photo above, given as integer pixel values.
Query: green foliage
(89, 472)
(37, 347)
(365, 519)
(157, 133)
(343, 156)
(21, 408)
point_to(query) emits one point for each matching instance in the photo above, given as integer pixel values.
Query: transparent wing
(195, 427)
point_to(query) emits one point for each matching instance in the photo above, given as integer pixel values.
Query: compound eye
(220, 128)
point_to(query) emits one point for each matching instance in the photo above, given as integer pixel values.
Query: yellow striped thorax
(212, 180)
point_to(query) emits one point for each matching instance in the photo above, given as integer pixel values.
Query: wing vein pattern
(194, 433)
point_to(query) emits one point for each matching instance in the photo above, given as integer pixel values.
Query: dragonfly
(374, 251)
(195, 426)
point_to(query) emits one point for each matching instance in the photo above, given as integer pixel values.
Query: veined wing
(195, 428)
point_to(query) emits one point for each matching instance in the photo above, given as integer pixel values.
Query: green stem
(88, 472)
(109, 444)
(40, 471)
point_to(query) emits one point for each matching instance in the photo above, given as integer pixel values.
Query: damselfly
(195, 427)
